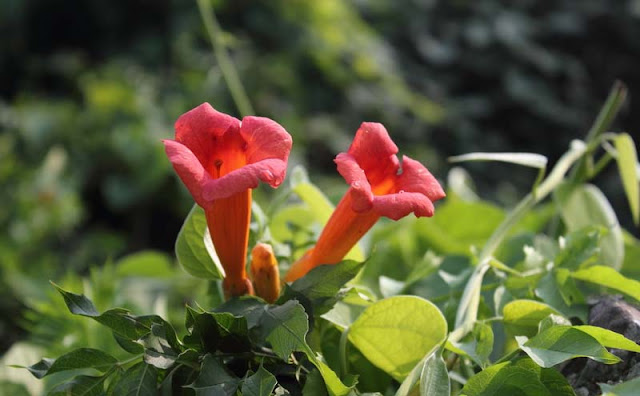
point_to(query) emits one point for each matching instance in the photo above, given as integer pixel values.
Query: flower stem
(227, 68)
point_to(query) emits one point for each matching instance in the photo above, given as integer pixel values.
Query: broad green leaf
(285, 328)
(586, 206)
(609, 277)
(521, 317)
(522, 377)
(81, 385)
(609, 339)
(261, 383)
(397, 332)
(319, 289)
(117, 319)
(214, 379)
(318, 204)
(627, 160)
(629, 388)
(434, 379)
(150, 264)
(78, 359)
(139, 379)
(559, 343)
(190, 247)
(526, 159)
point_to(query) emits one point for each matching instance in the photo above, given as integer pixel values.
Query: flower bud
(264, 272)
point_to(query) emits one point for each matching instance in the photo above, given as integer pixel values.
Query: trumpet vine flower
(376, 188)
(220, 159)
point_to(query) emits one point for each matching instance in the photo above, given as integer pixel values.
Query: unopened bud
(264, 272)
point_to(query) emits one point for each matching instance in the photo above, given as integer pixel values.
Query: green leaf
(586, 206)
(580, 248)
(627, 160)
(629, 388)
(139, 379)
(452, 232)
(521, 317)
(559, 343)
(81, 385)
(397, 332)
(478, 345)
(190, 247)
(117, 319)
(158, 351)
(521, 377)
(609, 339)
(285, 328)
(216, 330)
(319, 205)
(214, 379)
(434, 379)
(504, 379)
(320, 288)
(261, 383)
(149, 264)
(345, 312)
(526, 159)
(609, 277)
(78, 359)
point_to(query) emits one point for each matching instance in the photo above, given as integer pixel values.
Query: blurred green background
(88, 89)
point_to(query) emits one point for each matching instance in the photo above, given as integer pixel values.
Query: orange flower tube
(371, 169)
(264, 272)
(220, 159)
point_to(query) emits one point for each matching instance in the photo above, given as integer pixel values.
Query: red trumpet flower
(220, 159)
(370, 167)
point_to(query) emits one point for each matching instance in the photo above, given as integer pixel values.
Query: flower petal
(199, 129)
(270, 171)
(189, 168)
(265, 139)
(416, 178)
(396, 206)
(375, 152)
(361, 193)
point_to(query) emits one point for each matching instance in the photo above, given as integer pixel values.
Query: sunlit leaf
(397, 332)
(190, 247)
(559, 343)
(526, 159)
(521, 317)
(609, 277)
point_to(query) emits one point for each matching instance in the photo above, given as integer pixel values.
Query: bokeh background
(88, 88)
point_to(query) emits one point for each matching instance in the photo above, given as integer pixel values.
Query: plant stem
(229, 72)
